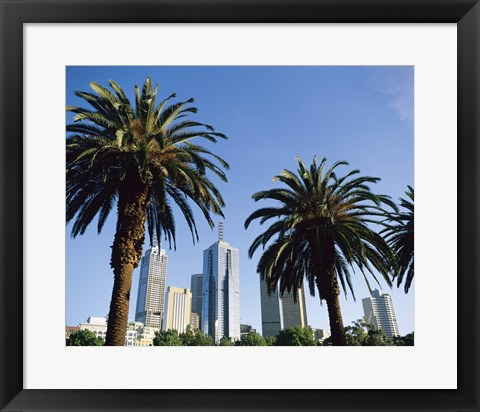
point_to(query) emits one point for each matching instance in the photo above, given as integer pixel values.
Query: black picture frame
(14, 13)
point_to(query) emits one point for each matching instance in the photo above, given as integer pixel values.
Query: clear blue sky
(363, 115)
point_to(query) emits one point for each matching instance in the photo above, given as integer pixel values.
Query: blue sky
(361, 114)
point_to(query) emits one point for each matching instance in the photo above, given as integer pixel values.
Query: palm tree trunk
(336, 322)
(329, 290)
(126, 253)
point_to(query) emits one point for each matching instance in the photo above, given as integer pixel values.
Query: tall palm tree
(142, 160)
(322, 231)
(399, 233)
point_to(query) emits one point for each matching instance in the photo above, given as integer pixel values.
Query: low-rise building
(321, 334)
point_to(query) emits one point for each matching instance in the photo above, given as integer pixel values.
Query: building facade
(178, 309)
(221, 290)
(294, 313)
(378, 310)
(321, 334)
(270, 306)
(151, 287)
(196, 286)
(97, 325)
(195, 321)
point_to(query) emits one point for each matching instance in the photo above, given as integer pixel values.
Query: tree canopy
(84, 337)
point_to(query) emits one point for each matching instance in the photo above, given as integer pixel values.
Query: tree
(84, 337)
(225, 342)
(400, 235)
(271, 340)
(296, 336)
(366, 334)
(252, 339)
(195, 338)
(407, 340)
(362, 333)
(143, 161)
(167, 338)
(322, 230)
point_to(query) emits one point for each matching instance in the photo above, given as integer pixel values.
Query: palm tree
(321, 233)
(399, 235)
(142, 160)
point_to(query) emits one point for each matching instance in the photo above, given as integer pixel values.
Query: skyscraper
(178, 309)
(196, 286)
(270, 305)
(294, 313)
(379, 311)
(151, 287)
(221, 290)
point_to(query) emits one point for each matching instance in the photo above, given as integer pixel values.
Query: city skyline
(346, 113)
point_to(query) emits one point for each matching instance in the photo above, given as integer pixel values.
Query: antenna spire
(154, 241)
(220, 231)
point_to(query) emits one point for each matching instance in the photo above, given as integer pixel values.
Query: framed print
(46, 50)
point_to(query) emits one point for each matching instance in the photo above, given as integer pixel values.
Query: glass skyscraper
(151, 287)
(196, 286)
(221, 290)
(270, 305)
(293, 313)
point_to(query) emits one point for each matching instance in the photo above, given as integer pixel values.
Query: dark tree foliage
(84, 337)
(296, 336)
(399, 233)
(322, 230)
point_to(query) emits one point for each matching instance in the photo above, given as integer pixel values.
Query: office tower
(196, 286)
(151, 287)
(321, 334)
(270, 305)
(195, 321)
(178, 307)
(379, 311)
(294, 313)
(221, 290)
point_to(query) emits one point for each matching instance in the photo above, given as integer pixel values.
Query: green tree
(322, 230)
(271, 340)
(225, 342)
(296, 336)
(167, 338)
(84, 337)
(253, 339)
(400, 235)
(362, 333)
(365, 334)
(195, 338)
(143, 160)
(407, 340)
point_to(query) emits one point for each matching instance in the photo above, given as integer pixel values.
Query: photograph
(239, 206)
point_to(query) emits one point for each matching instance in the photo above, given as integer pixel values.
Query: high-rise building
(196, 286)
(151, 287)
(379, 311)
(195, 321)
(294, 313)
(221, 290)
(270, 305)
(178, 309)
